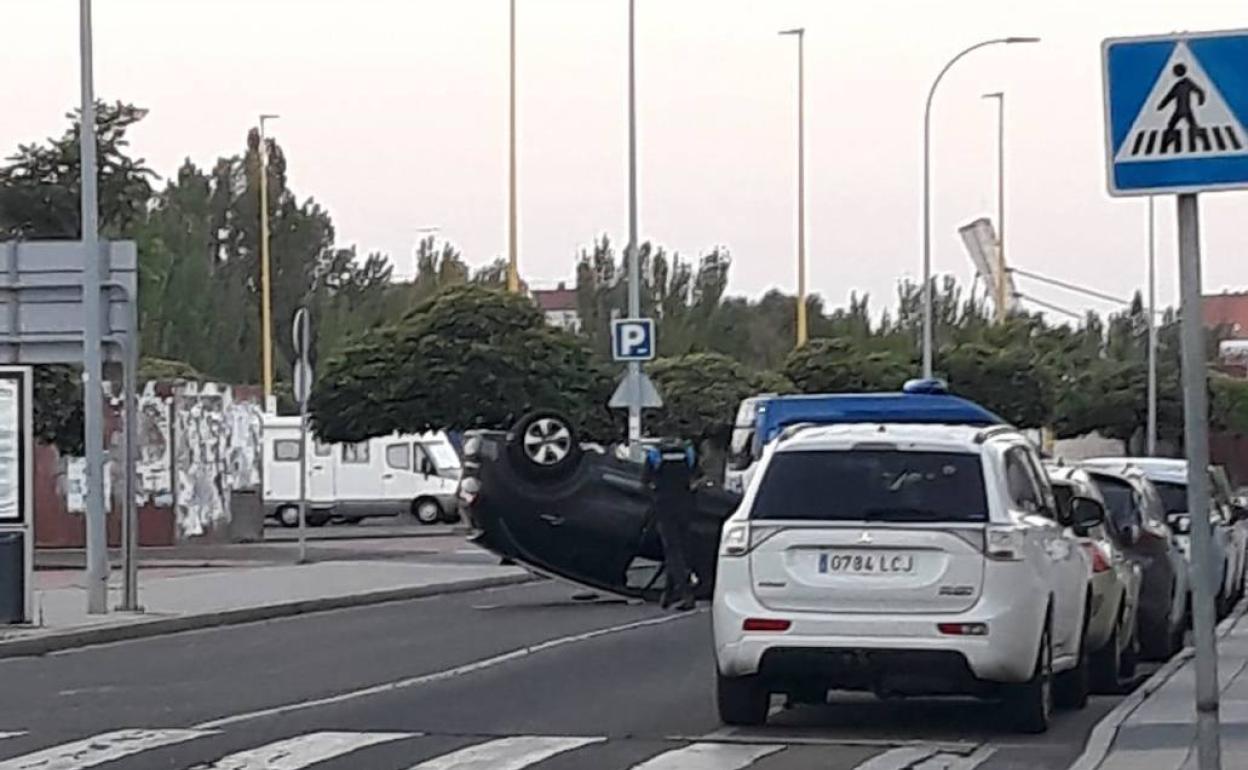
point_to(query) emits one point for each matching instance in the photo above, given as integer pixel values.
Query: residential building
(559, 305)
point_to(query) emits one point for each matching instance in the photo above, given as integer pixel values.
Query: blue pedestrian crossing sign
(1176, 107)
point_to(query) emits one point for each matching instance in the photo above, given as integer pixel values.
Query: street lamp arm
(931, 93)
(928, 333)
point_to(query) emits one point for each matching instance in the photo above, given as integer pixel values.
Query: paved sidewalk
(178, 596)
(1159, 728)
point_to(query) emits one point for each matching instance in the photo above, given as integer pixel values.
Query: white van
(385, 476)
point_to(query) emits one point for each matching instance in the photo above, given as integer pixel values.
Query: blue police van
(762, 418)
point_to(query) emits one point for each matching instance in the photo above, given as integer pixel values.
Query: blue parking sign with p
(632, 339)
(1176, 111)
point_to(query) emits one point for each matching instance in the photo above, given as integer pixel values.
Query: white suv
(904, 560)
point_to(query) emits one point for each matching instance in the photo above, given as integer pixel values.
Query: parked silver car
(1114, 583)
(1137, 522)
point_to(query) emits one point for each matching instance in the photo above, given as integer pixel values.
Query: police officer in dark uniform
(669, 473)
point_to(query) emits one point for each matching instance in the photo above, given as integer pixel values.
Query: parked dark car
(1137, 523)
(539, 497)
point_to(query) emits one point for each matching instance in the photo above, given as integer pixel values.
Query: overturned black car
(580, 512)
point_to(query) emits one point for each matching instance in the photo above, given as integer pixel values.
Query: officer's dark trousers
(673, 525)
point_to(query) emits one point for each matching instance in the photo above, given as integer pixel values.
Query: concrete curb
(56, 641)
(1102, 738)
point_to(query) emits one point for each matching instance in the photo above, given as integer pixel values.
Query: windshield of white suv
(873, 485)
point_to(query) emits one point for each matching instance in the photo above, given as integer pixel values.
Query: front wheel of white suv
(742, 700)
(1071, 687)
(1031, 703)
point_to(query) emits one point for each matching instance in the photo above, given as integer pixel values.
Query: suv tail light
(766, 624)
(963, 629)
(741, 538)
(1003, 543)
(1100, 561)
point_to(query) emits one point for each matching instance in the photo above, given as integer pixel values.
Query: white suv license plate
(858, 563)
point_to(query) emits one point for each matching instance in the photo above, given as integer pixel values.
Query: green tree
(40, 186)
(1002, 379)
(839, 366)
(200, 266)
(468, 357)
(701, 392)
(40, 199)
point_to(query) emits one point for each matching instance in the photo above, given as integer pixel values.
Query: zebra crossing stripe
(304, 750)
(99, 749)
(506, 753)
(944, 761)
(899, 758)
(710, 756)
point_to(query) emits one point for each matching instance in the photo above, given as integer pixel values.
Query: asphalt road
(505, 679)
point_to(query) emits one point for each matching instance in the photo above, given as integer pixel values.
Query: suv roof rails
(994, 430)
(792, 430)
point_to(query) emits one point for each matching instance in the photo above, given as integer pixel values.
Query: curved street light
(927, 192)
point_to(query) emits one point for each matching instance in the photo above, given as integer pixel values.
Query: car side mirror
(1085, 513)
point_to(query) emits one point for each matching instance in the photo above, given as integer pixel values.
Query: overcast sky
(394, 118)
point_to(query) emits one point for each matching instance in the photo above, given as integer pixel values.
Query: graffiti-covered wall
(154, 455)
(197, 443)
(215, 450)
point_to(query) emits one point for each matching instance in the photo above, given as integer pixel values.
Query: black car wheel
(544, 445)
(1031, 702)
(1071, 687)
(1129, 660)
(1108, 663)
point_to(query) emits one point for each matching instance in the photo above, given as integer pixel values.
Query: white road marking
(773, 734)
(943, 761)
(899, 759)
(15, 734)
(99, 749)
(303, 750)
(710, 756)
(438, 676)
(506, 753)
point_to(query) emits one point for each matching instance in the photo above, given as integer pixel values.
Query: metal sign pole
(92, 372)
(303, 389)
(1152, 332)
(129, 508)
(303, 481)
(634, 253)
(1196, 435)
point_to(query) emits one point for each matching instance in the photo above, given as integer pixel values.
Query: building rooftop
(557, 299)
